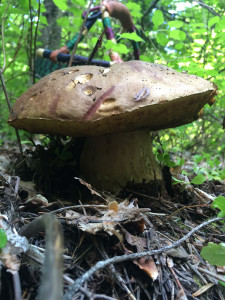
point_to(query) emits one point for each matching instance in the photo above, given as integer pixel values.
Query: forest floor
(98, 226)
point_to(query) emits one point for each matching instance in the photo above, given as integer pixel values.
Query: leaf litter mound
(143, 244)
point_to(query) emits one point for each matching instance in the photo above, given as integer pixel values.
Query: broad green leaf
(220, 25)
(135, 9)
(220, 203)
(176, 24)
(161, 39)
(212, 73)
(43, 20)
(213, 21)
(61, 4)
(132, 36)
(10, 10)
(222, 175)
(199, 179)
(158, 18)
(179, 46)
(178, 35)
(79, 2)
(121, 48)
(214, 254)
(24, 4)
(3, 239)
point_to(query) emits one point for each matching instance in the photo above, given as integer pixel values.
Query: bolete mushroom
(115, 108)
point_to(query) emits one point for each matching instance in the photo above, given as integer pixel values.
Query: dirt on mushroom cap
(91, 100)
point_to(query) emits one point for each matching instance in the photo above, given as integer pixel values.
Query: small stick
(212, 274)
(96, 47)
(74, 288)
(188, 206)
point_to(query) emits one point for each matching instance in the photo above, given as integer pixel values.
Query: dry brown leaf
(107, 220)
(220, 270)
(138, 242)
(10, 261)
(202, 290)
(148, 265)
(38, 200)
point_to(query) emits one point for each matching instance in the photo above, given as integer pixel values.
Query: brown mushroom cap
(91, 100)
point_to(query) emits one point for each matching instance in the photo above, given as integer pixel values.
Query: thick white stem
(109, 162)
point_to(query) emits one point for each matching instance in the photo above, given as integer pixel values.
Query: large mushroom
(115, 108)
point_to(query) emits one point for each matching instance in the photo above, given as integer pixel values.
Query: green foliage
(132, 36)
(219, 202)
(3, 239)
(199, 179)
(214, 254)
(61, 4)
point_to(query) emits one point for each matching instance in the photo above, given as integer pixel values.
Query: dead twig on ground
(75, 287)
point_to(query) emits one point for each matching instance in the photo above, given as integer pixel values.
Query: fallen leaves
(109, 220)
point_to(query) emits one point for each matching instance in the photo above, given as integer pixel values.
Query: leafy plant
(215, 253)
(3, 239)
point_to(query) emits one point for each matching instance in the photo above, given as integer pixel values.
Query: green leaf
(219, 202)
(120, 48)
(213, 21)
(179, 46)
(158, 18)
(24, 4)
(43, 20)
(199, 179)
(214, 254)
(176, 24)
(3, 239)
(61, 4)
(161, 39)
(222, 175)
(178, 35)
(212, 72)
(220, 25)
(132, 36)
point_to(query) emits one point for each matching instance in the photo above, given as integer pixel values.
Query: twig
(209, 8)
(96, 47)
(16, 284)
(188, 206)
(102, 264)
(212, 274)
(80, 34)
(117, 276)
(79, 206)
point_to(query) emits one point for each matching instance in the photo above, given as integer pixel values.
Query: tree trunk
(51, 34)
